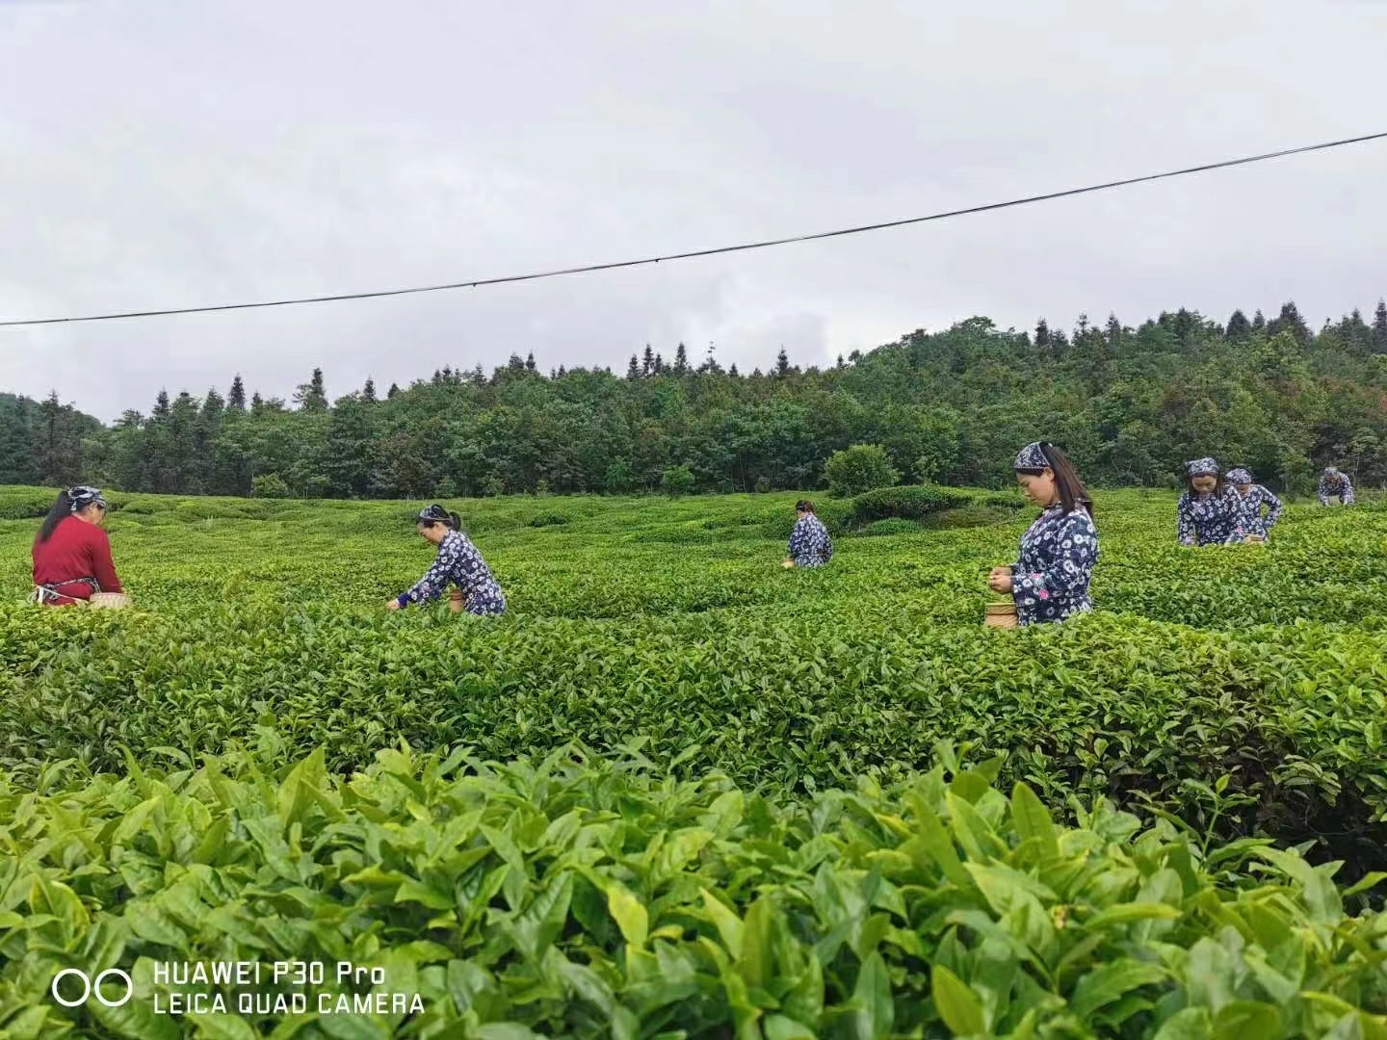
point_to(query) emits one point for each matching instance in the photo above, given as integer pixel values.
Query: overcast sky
(164, 153)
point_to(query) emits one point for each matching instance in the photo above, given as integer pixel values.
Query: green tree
(236, 399)
(859, 468)
(270, 485)
(310, 396)
(676, 481)
(1239, 328)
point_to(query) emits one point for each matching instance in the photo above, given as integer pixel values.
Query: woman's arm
(797, 539)
(435, 580)
(103, 567)
(1184, 523)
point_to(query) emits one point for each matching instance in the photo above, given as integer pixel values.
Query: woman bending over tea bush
(1050, 579)
(1251, 498)
(1334, 484)
(1209, 512)
(458, 562)
(810, 545)
(72, 555)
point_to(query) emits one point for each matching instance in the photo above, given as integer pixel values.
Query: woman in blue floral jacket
(1050, 578)
(1251, 498)
(1209, 512)
(810, 545)
(457, 563)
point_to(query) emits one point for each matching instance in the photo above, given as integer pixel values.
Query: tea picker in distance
(458, 562)
(72, 555)
(1251, 497)
(1334, 484)
(810, 545)
(1050, 579)
(1209, 512)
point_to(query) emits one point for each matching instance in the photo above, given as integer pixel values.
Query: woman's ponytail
(62, 507)
(455, 521)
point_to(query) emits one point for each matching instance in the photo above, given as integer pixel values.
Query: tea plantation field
(678, 791)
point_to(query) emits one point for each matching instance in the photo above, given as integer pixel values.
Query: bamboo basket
(1000, 615)
(108, 601)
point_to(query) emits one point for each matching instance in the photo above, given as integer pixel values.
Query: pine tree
(562, 371)
(633, 370)
(681, 361)
(1259, 323)
(1042, 335)
(310, 396)
(530, 361)
(394, 391)
(648, 361)
(732, 370)
(1239, 328)
(1289, 320)
(257, 404)
(161, 405)
(1380, 328)
(236, 399)
(1114, 329)
(782, 364)
(841, 363)
(368, 392)
(659, 368)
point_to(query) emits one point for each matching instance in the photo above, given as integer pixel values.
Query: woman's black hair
(436, 514)
(1071, 489)
(62, 507)
(75, 499)
(804, 506)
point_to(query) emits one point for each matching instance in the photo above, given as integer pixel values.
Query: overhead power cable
(745, 246)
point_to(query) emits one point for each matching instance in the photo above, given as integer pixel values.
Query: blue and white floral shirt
(459, 563)
(1251, 520)
(1342, 489)
(1050, 580)
(810, 545)
(1209, 519)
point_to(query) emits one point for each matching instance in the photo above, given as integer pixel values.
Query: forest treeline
(1130, 405)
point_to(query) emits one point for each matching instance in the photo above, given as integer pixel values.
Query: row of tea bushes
(595, 899)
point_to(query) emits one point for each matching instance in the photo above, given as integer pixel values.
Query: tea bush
(1227, 696)
(596, 900)
(906, 503)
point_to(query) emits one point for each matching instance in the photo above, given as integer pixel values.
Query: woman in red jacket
(72, 555)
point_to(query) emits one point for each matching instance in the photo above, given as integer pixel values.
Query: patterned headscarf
(84, 495)
(1032, 456)
(1202, 468)
(1331, 472)
(1238, 476)
(435, 514)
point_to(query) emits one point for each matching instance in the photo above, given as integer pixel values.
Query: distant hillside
(1130, 405)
